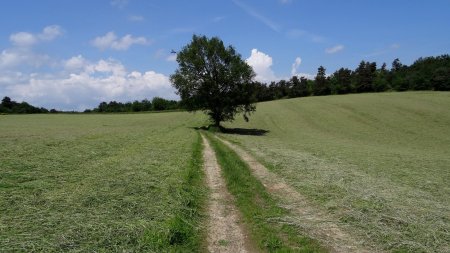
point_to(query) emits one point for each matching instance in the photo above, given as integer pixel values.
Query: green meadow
(115, 182)
(379, 163)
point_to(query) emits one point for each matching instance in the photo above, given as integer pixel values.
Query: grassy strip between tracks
(259, 209)
(184, 231)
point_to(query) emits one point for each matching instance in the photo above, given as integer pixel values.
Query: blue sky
(72, 55)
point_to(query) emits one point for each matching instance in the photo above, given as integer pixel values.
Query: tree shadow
(238, 131)
(206, 128)
(244, 131)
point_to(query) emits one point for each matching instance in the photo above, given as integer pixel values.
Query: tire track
(225, 231)
(317, 224)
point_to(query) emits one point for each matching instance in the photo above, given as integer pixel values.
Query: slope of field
(99, 182)
(378, 163)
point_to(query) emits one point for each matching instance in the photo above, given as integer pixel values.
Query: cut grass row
(100, 183)
(119, 183)
(378, 163)
(260, 210)
(184, 230)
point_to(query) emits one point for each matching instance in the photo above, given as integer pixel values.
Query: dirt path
(317, 224)
(225, 233)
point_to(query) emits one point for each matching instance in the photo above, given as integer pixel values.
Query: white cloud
(23, 39)
(109, 66)
(295, 65)
(172, 58)
(261, 64)
(294, 70)
(50, 33)
(136, 18)
(285, 1)
(104, 42)
(335, 49)
(79, 83)
(9, 59)
(126, 41)
(13, 57)
(85, 84)
(10, 77)
(21, 53)
(306, 75)
(26, 39)
(110, 40)
(76, 62)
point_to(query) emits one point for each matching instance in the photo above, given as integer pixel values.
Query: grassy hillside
(127, 182)
(380, 163)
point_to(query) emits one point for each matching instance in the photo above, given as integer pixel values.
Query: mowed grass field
(378, 163)
(96, 183)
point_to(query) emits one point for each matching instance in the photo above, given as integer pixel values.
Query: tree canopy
(10, 106)
(157, 104)
(214, 79)
(429, 73)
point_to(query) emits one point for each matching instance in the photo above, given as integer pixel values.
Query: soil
(226, 233)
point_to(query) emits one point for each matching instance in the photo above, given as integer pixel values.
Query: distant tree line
(11, 106)
(430, 73)
(157, 104)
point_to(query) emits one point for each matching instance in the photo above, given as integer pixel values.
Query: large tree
(213, 78)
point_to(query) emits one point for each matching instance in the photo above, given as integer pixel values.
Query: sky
(74, 54)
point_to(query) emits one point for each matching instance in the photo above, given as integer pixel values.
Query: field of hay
(98, 182)
(379, 163)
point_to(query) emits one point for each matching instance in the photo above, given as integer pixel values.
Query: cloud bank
(75, 83)
(21, 53)
(83, 84)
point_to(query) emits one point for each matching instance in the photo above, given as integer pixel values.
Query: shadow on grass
(238, 131)
(244, 131)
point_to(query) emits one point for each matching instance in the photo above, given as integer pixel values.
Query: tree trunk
(216, 117)
(216, 122)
